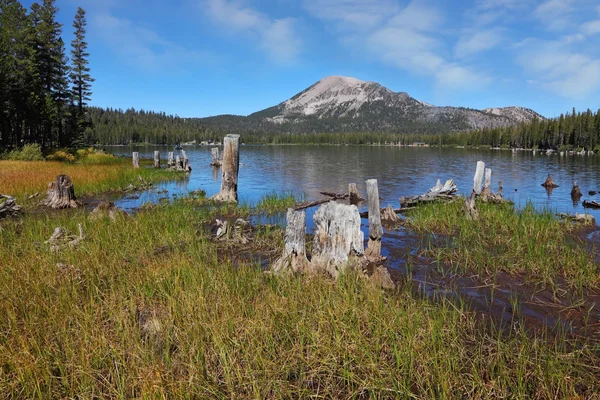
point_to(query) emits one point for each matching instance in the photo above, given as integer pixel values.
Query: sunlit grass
(148, 307)
(534, 245)
(275, 202)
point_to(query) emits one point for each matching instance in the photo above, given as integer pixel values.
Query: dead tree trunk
(136, 159)
(61, 194)
(354, 194)
(230, 168)
(487, 183)
(294, 253)
(178, 163)
(337, 237)
(477, 182)
(170, 160)
(375, 230)
(156, 159)
(215, 157)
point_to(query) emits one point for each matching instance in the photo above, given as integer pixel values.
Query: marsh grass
(275, 202)
(97, 173)
(143, 308)
(534, 245)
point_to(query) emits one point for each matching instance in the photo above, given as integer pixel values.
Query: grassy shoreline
(150, 306)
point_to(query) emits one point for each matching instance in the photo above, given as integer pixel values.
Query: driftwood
(373, 251)
(61, 194)
(439, 192)
(549, 183)
(575, 192)
(591, 204)
(230, 168)
(235, 233)
(337, 237)
(354, 194)
(294, 253)
(215, 162)
(156, 159)
(585, 219)
(107, 209)
(9, 206)
(60, 240)
(135, 159)
(365, 214)
(332, 196)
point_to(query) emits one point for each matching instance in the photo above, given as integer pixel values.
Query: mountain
(342, 104)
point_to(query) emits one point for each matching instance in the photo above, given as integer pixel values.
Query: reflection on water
(401, 171)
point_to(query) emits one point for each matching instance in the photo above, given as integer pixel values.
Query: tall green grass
(534, 245)
(145, 307)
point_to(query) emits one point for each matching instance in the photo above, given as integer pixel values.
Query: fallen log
(332, 196)
(9, 206)
(591, 204)
(439, 192)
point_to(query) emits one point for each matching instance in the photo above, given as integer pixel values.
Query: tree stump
(215, 162)
(355, 198)
(170, 160)
(107, 209)
(389, 215)
(337, 237)
(136, 159)
(230, 167)
(549, 183)
(575, 192)
(156, 159)
(178, 163)
(375, 229)
(478, 178)
(61, 194)
(487, 183)
(294, 253)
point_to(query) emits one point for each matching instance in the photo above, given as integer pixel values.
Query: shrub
(29, 152)
(61, 155)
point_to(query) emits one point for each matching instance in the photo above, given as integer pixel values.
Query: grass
(533, 245)
(147, 307)
(94, 174)
(275, 202)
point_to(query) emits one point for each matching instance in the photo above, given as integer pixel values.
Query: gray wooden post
(487, 184)
(375, 229)
(156, 159)
(215, 162)
(354, 195)
(478, 178)
(170, 160)
(178, 163)
(230, 169)
(294, 253)
(136, 159)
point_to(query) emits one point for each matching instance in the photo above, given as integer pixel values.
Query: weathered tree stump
(170, 160)
(107, 209)
(294, 253)
(8, 206)
(185, 163)
(61, 194)
(575, 192)
(354, 194)
(389, 215)
(469, 207)
(549, 183)
(487, 183)
(178, 163)
(337, 237)
(156, 159)
(230, 168)
(136, 159)
(375, 230)
(215, 162)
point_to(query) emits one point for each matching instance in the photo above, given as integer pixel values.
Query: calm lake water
(400, 171)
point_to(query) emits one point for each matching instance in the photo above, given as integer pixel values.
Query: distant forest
(43, 93)
(569, 131)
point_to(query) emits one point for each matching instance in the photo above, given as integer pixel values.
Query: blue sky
(197, 58)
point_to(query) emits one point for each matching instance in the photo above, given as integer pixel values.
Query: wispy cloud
(555, 15)
(278, 38)
(353, 14)
(142, 47)
(473, 41)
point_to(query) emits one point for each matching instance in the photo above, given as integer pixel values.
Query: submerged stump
(215, 162)
(355, 198)
(61, 194)
(575, 192)
(549, 183)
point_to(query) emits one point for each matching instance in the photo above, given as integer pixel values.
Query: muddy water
(307, 170)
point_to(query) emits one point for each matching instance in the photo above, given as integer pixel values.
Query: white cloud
(559, 69)
(554, 15)
(472, 42)
(140, 46)
(276, 37)
(591, 27)
(353, 14)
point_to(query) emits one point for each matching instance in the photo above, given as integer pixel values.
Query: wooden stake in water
(230, 168)
(375, 229)
(215, 162)
(136, 159)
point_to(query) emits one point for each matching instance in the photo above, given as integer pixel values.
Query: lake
(400, 171)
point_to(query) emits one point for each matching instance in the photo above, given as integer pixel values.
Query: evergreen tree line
(569, 131)
(43, 93)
